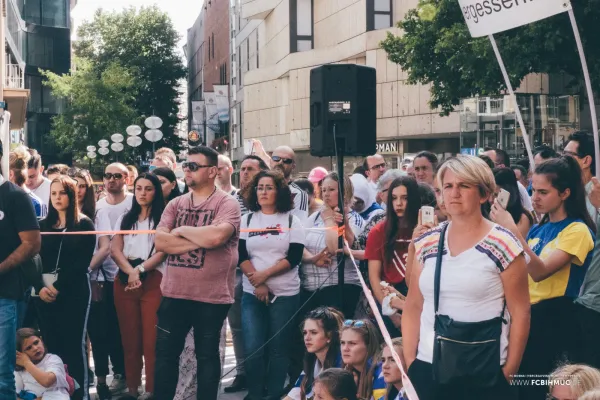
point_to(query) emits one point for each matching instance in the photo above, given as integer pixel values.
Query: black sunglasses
(193, 166)
(287, 161)
(108, 176)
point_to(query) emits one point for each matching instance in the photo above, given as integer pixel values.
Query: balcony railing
(15, 78)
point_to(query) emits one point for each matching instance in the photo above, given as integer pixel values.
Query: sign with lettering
(486, 17)
(387, 147)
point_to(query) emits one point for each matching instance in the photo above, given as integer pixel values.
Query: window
(213, 45)
(379, 14)
(301, 25)
(209, 48)
(46, 12)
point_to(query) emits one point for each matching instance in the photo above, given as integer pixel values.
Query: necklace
(211, 195)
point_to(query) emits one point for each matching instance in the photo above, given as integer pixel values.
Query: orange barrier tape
(150, 232)
(406, 383)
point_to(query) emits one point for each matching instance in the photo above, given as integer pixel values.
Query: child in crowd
(335, 384)
(39, 375)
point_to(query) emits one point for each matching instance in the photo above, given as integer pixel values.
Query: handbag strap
(55, 272)
(438, 274)
(438, 268)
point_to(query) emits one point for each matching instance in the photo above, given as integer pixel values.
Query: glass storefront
(492, 122)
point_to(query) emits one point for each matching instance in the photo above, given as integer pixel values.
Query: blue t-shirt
(41, 209)
(571, 236)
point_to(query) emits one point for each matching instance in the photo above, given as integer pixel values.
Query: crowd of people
(487, 300)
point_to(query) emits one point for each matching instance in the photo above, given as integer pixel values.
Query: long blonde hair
(372, 339)
(579, 377)
(18, 159)
(397, 343)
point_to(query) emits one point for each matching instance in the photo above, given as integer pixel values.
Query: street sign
(486, 17)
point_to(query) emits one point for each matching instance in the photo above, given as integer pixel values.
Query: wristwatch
(141, 268)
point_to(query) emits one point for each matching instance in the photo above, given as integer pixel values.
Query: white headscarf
(363, 190)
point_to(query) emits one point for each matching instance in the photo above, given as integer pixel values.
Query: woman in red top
(388, 243)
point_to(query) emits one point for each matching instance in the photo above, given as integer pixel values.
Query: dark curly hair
(283, 200)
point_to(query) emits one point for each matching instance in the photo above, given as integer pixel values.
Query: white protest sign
(486, 17)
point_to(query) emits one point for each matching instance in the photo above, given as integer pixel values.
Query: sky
(182, 12)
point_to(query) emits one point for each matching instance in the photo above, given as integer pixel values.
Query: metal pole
(588, 86)
(339, 144)
(4, 133)
(514, 98)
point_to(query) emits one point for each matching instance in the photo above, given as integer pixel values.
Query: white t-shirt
(471, 288)
(300, 203)
(43, 191)
(106, 220)
(267, 248)
(50, 363)
(525, 199)
(139, 246)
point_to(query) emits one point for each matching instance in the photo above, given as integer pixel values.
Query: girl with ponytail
(560, 249)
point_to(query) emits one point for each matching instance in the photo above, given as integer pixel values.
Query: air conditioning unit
(233, 46)
(234, 117)
(234, 93)
(233, 22)
(233, 69)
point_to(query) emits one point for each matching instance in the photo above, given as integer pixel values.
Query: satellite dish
(133, 130)
(103, 150)
(153, 122)
(117, 146)
(103, 143)
(117, 138)
(153, 135)
(134, 141)
(91, 149)
(91, 154)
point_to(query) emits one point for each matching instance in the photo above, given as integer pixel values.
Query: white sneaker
(118, 384)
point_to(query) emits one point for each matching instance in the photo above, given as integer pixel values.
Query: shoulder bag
(50, 278)
(97, 287)
(464, 352)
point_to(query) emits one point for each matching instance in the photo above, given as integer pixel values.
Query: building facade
(277, 43)
(194, 52)
(47, 46)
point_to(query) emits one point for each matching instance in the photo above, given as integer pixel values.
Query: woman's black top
(75, 256)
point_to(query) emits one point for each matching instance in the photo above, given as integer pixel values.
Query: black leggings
(421, 376)
(63, 327)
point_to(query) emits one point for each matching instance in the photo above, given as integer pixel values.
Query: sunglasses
(108, 176)
(287, 161)
(378, 166)
(193, 166)
(354, 323)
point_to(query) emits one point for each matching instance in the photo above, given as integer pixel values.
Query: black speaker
(343, 105)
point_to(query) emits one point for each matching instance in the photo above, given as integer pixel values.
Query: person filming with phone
(466, 317)
(508, 196)
(270, 251)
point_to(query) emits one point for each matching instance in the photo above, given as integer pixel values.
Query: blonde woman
(481, 285)
(572, 381)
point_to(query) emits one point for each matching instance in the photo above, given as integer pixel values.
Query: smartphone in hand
(503, 198)
(427, 215)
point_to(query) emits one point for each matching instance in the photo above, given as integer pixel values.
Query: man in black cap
(19, 241)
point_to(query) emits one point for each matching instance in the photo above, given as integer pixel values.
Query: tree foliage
(140, 44)
(99, 104)
(436, 47)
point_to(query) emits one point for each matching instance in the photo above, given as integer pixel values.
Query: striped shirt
(313, 277)
(242, 203)
(300, 199)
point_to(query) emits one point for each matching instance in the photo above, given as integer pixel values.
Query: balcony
(15, 95)
(258, 9)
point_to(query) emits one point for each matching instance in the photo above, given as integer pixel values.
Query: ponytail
(565, 173)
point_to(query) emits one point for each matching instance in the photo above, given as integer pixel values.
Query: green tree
(436, 47)
(99, 104)
(145, 42)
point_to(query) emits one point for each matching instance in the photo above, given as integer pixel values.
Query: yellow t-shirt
(571, 236)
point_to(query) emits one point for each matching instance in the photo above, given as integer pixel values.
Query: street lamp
(153, 134)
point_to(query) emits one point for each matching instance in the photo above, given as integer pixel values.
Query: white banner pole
(5, 136)
(514, 98)
(588, 86)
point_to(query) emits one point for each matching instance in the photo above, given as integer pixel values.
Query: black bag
(464, 352)
(31, 270)
(124, 278)
(97, 287)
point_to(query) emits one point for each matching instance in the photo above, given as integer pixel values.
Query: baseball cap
(317, 174)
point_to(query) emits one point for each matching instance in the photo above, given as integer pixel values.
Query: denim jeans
(175, 319)
(8, 345)
(262, 322)
(235, 323)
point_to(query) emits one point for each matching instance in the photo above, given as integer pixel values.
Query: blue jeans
(262, 322)
(8, 345)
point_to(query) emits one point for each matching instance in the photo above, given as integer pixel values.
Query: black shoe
(239, 384)
(103, 392)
